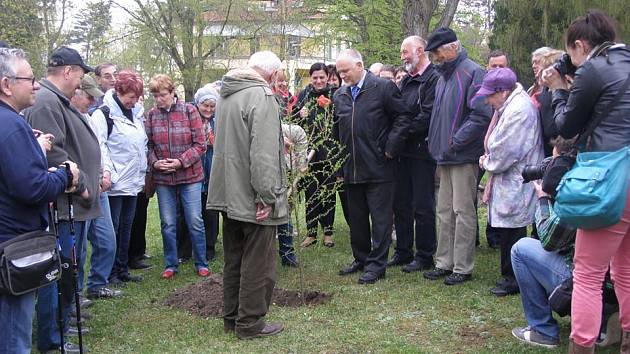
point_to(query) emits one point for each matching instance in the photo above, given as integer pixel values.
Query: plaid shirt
(554, 235)
(176, 133)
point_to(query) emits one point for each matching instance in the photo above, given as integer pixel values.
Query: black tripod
(75, 275)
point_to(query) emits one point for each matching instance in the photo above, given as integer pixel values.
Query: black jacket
(418, 92)
(318, 123)
(549, 129)
(596, 83)
(376, 123)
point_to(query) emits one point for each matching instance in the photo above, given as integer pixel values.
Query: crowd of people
(404, 148)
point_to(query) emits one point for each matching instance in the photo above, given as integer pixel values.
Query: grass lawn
(402, 314)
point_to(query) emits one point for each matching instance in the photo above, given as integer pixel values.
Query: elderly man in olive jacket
(248, 185)
(372, 124)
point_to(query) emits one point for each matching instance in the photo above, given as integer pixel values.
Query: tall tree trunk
(416, 17)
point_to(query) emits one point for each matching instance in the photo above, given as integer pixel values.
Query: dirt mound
(205, 298)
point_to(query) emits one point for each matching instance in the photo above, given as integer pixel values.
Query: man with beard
(414, 199)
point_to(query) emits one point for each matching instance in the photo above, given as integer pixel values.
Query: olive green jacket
(248, 161)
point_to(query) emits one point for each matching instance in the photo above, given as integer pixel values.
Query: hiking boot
(416, 266)
(103, 293)
(575, 348)
(85, 303)
(436, 273)
(270, 329)
(457, 278)
(531, 337)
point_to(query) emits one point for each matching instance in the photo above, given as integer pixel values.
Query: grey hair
(264, 61)
(457, 44)
(416, 40)
(8, 59)
(541, 51)
(351, 54)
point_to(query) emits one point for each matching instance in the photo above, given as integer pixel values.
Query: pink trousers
(595, 250)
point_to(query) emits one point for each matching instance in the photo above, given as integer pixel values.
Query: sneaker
(436, 273)
(103, 293)
(74, 331)
(457, 278)
(126, 277)
(168, 273)
(85, 314)
(530, 336)
(68, 348)
(85, 303)
(203, 272)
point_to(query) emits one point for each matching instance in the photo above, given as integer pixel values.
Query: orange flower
(323, 101)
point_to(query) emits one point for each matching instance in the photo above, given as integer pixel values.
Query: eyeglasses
(31, 79)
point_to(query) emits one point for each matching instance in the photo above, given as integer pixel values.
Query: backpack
(108, 119)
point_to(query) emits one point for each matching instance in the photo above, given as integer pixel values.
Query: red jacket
(177, 133)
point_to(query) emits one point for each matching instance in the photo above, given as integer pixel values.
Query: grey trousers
(249, 275)
(457, 217)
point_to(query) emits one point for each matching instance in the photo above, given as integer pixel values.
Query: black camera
(565, 66)
(534, 172)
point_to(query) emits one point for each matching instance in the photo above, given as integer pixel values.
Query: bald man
(414, 199)
(371, 122)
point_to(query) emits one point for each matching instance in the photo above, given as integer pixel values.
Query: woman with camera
(602, 69)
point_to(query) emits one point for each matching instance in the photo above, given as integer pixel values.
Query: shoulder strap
(108, 119)
(595, 122)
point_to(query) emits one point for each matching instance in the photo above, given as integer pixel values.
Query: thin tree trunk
(448, 14)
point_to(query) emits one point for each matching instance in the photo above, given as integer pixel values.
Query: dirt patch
(205, 298)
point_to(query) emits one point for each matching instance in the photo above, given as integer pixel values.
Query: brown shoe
(328, 241)
(308, 241)
(625, 342)
(575, 348)
(270, 329)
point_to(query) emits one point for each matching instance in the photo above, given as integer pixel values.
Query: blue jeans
(538, 272)
(190, 198)
(103, 240)
(285, 243)
(16, 323)
(47, 300)
(123, 210)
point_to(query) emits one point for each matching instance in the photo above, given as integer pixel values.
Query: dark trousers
(343, 197)
(508, 237)
(138, 241)
(211, 226)
(492, 237)
(123, 209)
(371, 202)
(249, 274)
(414, 201)
(320, 200)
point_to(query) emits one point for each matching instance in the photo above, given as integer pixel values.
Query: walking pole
(55, 217)
(75, 269)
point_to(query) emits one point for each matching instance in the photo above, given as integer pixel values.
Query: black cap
(440, 36)
(67, 56)
(3, 44)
